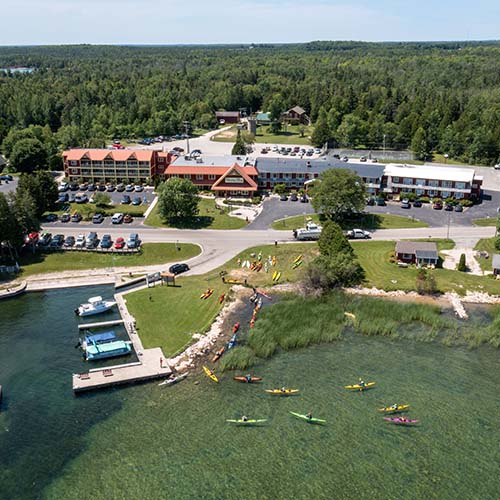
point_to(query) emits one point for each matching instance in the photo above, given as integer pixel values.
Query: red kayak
(218, 354)
(236, 327)
(244, 379)
(401, 420)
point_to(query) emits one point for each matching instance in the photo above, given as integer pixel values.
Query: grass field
(151, 253)
(487, 221)
(209, 217)
(369, 221)
(167, 316)
(289, 136)
(486, 245)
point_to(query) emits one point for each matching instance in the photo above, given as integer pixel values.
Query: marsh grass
(239, 358)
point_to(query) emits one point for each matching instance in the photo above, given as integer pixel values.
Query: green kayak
(311, 420)
(247, 422)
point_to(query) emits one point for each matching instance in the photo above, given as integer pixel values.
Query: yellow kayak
(357, 387)
(209, 373)
(391, 409)
(279, 392)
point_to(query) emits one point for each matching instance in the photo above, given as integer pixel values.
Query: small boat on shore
(401, 420)
(236, 327)
(232, 342)
(173, 380)
(95, 305)
(210, 374)
(108, 350)
(218, 354)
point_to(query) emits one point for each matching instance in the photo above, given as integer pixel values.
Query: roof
(495, 264)
(232, 114)
(430, 172)
(210, 161)
(263, 117)
(424, 249)
(195, 168)
(220, 183)
(296, 165)
(115, 154)
(298, 110)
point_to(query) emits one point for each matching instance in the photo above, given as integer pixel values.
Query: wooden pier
(151, 363)
(86, 326)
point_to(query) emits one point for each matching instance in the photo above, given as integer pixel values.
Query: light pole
(186, 129)
(384, 146)
(448, 227)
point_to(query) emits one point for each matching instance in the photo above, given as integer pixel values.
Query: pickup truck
(310, 232)
(358, 234)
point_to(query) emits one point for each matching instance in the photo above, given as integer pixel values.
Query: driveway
(274, 209)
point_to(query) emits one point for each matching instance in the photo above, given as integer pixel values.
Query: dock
(86, 326)
(151, 363)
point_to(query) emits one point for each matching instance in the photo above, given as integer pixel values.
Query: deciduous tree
(177, 199)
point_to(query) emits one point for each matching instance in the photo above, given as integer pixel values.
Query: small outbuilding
(263, 118)
(228, 116)
(495, 264)
(296, 115)
(421, 253)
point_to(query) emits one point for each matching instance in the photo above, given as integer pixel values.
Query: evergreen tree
(419, 145)
(332, 240)
(322, 132)
(239, 147)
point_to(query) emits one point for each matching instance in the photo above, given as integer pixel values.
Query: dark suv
(178, 268)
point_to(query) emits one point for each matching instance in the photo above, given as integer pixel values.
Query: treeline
(442, 97)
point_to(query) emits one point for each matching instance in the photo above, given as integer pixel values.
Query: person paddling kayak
(361, 383)
(309, 415)
(248, 377)
(244, 418)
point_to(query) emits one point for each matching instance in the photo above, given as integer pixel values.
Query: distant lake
(17, 70)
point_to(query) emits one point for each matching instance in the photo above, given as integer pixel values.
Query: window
(395, 179)
(420, 192)
(432, 192)
(407, 181)
(420, 182)
(460, 185)
(161, 159)
(433, 183)
(446, 184)
(187, 176)
(211, 177)
(234, 180)
(459, 196)
(73, 163)
(199, 177)
(445, 194)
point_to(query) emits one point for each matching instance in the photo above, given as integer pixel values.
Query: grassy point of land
(151, 253)
(209, 217)
(486, 245)
(368, 221)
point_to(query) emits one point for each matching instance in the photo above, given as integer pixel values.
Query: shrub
(256, 200)
(425, 199)
(466, 203)
(436, 200)
(497, 242)
(461, 264)
(425, 282)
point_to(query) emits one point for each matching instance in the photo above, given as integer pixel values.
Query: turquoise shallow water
(154, 442)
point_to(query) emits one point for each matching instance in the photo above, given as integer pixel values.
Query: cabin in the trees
(296, 115)
(228, 116)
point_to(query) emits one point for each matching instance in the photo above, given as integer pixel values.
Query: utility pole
(448, 228)
(384, 145)
(186, 130)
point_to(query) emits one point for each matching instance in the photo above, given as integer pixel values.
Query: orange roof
(209, 170)
(115, 154)
(239, 170)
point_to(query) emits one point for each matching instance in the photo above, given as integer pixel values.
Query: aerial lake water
(146, 441)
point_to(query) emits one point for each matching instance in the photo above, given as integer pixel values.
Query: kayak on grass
(265, 294)
(209, 373)
(281, 392)
(297, 259)
(174, 380)
(394, 409)
(207, 294)
(218, 354)
(311, 420)
(236, 327)
(401, 420)
(358, 387)
(247, 422)
(244, 379)
(232, 342)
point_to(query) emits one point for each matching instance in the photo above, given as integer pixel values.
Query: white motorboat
(95, 305)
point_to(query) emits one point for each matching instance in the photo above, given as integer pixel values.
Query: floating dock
(151, 363)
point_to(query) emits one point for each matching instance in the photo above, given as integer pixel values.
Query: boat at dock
(98, 338)
(174, 380)
(95, 305)
(107, 350)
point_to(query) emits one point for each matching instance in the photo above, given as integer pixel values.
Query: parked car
(57, 241)
(363, 158)
(80, 241)
(127, 219)
(459, 208)
(129, 188)
(101, 187)
(417, 203)
(136, 201)
(106, 241)
(296, 149)
(178, 268)
(448, 207)
(497, 166)
(76, 217)
(83, 187)
(274, 149)
(133, 241)
(317, 151)
(263, 151)
(381, 202)
(304, 199)
(309, 153)
(69, 241)
(294, 197)
(283, 197)
(71, 198)
(45, 239)
(344, 158)
(374, 160)
(51, 217)
(138, 188)
(81, 198)
(358, 234)
(119, 243)
(405, 203)
(65, 217)
(63, 198)
(370, 202)
(110, 188)
(91, 187)
(120, 187)
(117, 218)
(125, 199)
(97, 219)
(63, 187)
(73, 186)
(437, 205)
(91, 241)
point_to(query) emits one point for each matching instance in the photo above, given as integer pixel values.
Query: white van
(117, 218)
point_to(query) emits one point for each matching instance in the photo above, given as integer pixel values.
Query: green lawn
(374, 257)
(368, 221)
(487, 221)
(167, 316)
(209, 217)
(289, 136)
(151, 253)
(486, 245)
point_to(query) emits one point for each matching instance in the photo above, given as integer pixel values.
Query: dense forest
(442, 97)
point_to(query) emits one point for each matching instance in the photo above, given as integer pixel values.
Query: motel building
(432, 181)
(226, 176)
(110, 165)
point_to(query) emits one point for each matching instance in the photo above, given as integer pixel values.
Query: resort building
(431, 181)
(225, 175)
(110, 165)
(296, 172)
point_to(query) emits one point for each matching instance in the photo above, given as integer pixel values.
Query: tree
(322, 132)
(338, 194)
(28, 155)
(352, 131)
(11, 235)
(280, 188)
(420, 146)
(177, 199)
(462, 266)
(102, 200)
(325, 273)
(42, 188)
(332, 240)
(24, 207)
(239, 147)
(425, 282)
